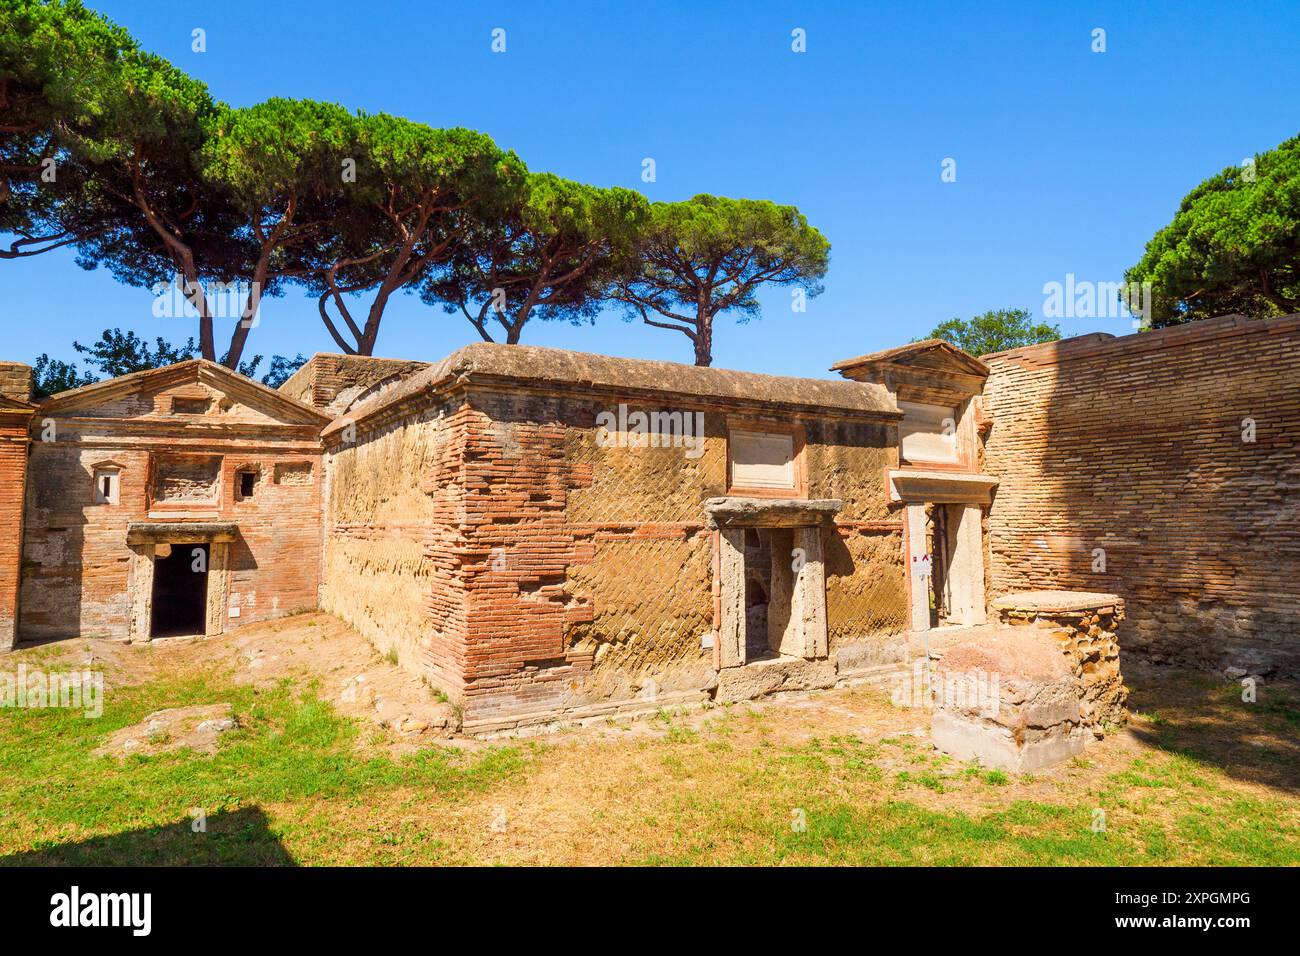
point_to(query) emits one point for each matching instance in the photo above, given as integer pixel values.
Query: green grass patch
(289, 746)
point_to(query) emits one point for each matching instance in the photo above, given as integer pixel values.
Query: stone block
(1008, 700)
(760, 678)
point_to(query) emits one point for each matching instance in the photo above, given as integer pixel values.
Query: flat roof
(531, 364)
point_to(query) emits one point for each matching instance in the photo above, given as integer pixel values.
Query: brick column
(15, 417)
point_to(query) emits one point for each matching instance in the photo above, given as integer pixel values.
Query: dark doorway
(180, 591)
(758, 586)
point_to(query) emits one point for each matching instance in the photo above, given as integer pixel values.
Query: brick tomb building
(175, 501)
(544, 534)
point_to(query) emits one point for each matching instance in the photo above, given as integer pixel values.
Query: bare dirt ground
(313, 648)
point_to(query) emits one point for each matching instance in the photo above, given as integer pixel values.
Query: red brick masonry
(1177, 454)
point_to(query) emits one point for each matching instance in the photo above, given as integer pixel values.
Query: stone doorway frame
(964, 496)
(802, 592)
(144, 538)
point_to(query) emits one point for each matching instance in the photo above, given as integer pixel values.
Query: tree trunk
(251, 306)
(198, 297)
(704, 339)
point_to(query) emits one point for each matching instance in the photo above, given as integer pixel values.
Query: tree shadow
(1204, 718)
(240, 837)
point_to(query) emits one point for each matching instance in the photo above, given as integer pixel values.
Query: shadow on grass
(1205, 719)
(234, 838)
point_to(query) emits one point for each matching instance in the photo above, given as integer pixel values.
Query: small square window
(245, 484)
(106, 486)
(191, 406)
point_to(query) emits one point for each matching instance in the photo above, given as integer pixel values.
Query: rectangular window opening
(106, 486)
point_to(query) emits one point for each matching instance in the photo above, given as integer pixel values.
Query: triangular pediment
(192, 392)
(933, 371)
(935, 354)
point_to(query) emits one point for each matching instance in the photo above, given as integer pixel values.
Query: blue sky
(1067, 160)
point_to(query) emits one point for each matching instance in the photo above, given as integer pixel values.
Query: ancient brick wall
(394, 538)
(1177, 454)
(14, 418)
(16, 381)
(498, 549)
(15, 413)
(866, 591)
(479, 528)
(76, 559)
(589, 569)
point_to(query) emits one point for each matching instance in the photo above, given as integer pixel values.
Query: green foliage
(115, 353)
(159, 182)
(51, 376)
(280, 164)
(121, 353)
(711, 255)
(128, 128)
(281, 368)
(551, 248)
(277, 150)
(1233, 246)
(417, 190)
(134, 138)
(55, 62)
(995, 331)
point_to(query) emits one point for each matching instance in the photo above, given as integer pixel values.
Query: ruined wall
(332, 382)
(589, 570)
(13, 470)
(16, 381)
(76, 560)
(393, 538)
(1141, 446)
(480, 526)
